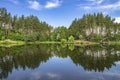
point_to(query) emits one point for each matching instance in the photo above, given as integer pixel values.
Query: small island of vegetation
(90, 29)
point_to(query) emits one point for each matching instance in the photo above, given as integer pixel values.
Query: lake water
(60, 62)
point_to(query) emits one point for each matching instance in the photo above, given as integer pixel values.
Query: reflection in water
(90, 58)
(95, 58)
(24, 56)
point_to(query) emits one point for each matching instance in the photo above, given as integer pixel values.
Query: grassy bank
(9, 43)
(114, 43)
(47, 42)
(79, 42)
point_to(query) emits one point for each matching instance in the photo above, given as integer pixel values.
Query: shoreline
(10, 43)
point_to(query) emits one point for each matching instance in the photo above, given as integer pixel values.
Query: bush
(3, 37)
(30, 38)
(116, 37)
(71, 47)
(98, 38)
(63, 41)
(71, 39)
(16, 36)
(80, 37)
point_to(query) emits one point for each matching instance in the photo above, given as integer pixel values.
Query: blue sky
(61, 12)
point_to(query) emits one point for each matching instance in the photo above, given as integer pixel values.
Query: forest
(91, 27)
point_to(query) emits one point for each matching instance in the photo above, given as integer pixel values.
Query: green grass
(9, 43)
(84, 43)
(114, 42)
(47, 42)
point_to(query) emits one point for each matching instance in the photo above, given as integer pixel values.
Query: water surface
(60, 62)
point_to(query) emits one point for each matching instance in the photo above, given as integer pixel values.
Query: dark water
(60, 62)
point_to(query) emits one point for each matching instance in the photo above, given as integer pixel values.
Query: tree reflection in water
(24, 57)
(90, 58)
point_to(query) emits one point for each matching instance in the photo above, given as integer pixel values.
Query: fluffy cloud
(117, 20)
(99, 1)
(53, 4)
(111, 6)
(34, 5)
(97, 5)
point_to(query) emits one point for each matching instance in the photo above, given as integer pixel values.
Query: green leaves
(63, 41)
(17, 27)
(71, 39)
(90, 24)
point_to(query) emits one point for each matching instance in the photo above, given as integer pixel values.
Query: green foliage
(94, 24)
(63, 45)
(59, 33)
(27, 28)
(58, 37)
(81, 42)
(80, 37)
(91, 27)
(3, 37)
(30, 38)
(116, 37)
(98, 38)
(17, 36)
(71, 47)
(63, 41)
(95, 37)
(71, 39)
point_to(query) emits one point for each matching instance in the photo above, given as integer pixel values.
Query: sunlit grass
(9, 43)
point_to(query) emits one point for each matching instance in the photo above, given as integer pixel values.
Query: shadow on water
(95, 57)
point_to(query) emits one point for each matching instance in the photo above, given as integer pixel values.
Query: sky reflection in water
(71, 65)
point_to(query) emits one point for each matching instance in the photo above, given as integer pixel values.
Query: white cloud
(34, 5)
(99, 1)
(14, 1)
(94, 2)
(101, 7)
(53, 76)
(87, 8)
(53, 4)
(117, 20)
(111, 6)
(35, 76)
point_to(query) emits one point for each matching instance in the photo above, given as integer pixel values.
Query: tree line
(95, 27)
(91, 27)
(22, 28)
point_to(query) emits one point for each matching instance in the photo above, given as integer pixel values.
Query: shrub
(116, 37)
(71, 47)
(63, 41)
(80, 37)
(71, 39)
(3, 37)
(16, 36)
(98, 38)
